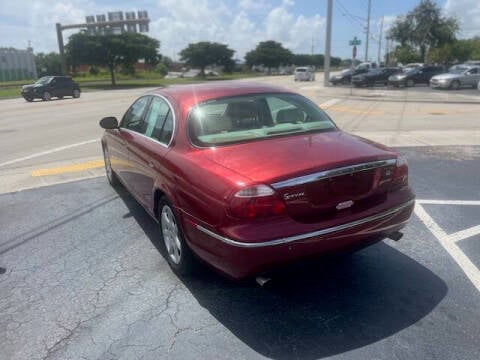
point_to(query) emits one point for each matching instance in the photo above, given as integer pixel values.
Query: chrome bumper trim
(310, 234)
(346, 170)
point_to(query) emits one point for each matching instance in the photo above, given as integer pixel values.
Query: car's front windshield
(254, 117)
(43, 80)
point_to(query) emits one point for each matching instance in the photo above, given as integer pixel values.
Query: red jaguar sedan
(247, 177)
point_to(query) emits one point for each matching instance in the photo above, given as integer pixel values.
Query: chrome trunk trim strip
(346, 170)
(310, 234)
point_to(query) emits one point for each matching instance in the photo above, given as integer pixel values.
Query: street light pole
(328, 41)
(368, 31)
(380, 43)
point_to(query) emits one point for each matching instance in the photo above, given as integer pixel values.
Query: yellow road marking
(69, 168)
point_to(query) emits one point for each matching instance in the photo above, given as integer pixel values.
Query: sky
(299, 25)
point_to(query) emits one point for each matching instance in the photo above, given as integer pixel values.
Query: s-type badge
(344, 205)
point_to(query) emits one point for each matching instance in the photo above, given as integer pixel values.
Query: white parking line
(448, 242)
(329, 103)
(465, 234)
(61, 148)
(448, 202)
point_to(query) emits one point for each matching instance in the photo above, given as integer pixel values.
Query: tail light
(400, 173)
(256, 202)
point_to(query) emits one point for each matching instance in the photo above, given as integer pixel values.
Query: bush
(94, 70)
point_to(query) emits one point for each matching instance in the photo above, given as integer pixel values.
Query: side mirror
(109, 122)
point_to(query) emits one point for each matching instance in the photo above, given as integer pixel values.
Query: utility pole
(380, 42)
(328, 41)
(368, 30)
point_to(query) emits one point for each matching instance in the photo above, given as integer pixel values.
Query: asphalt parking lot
(84, 274)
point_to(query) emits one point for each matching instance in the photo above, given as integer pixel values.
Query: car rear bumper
(239, 259)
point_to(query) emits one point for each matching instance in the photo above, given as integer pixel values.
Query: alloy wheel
(171, 235)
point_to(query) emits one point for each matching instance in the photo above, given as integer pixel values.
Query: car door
(148, 148)
(472, 76)
(119, 142)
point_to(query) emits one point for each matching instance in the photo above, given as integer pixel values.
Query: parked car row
(455, 78)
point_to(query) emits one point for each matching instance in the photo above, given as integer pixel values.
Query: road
(60, 138)
(84, 275)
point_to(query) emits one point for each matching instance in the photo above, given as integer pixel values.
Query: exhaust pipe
(262, 280)
(395, 236)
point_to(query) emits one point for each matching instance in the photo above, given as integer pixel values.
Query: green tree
(206, 53)
(406, 54)
(458, 51)
(112, 50)
(423, 28)
(48, 64)
(270, 54)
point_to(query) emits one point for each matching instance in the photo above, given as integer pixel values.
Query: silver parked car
(457, 77)
(304, 73)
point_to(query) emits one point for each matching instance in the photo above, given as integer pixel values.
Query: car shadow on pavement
(319, 308)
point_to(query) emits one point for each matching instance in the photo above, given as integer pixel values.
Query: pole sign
(355, 42)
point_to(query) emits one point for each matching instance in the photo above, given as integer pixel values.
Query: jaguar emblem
(293, 196)
(344, 205)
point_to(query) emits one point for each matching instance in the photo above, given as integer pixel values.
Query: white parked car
(304, 73)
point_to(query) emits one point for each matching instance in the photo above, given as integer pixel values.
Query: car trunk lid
(318, 176)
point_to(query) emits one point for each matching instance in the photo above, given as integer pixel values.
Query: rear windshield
(301, 70)
(254, 117)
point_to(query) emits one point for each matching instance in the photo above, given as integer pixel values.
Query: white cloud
(468, 14)
(176, 23)
(254, 5)
(214, 21)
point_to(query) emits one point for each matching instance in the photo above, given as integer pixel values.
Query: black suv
(51, 86)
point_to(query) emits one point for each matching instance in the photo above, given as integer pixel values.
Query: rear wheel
(179, 255)
(455, 85)
(111, 176)
(76, 93)
(29, 99)
(46, 96)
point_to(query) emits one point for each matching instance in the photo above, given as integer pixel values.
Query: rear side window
(159, 121)
(253, 118)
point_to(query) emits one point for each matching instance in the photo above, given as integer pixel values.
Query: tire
(179, 256)
(29, 99)
(76, 93)
(60, 97)
(46, 96)
(345, 82)
(410, 83)
(455, 85)
(111, 176)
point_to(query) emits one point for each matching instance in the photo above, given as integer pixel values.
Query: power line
(351, 17)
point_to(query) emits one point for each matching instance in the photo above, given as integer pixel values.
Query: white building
(17, 64)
